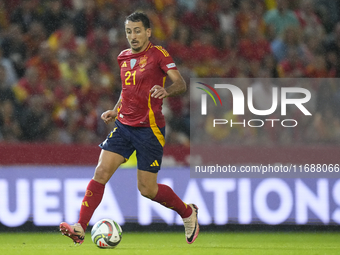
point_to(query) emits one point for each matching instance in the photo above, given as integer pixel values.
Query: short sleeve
(165, 60)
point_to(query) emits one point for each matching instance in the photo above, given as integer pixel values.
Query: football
(106, 233)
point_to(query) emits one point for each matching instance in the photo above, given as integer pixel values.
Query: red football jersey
(139, 73)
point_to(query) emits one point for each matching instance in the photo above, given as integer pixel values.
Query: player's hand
(158, 92)
(108, 116)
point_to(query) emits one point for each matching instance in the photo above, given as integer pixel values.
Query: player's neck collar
(145, 50)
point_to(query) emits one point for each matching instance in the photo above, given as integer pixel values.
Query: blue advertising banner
(48, 195)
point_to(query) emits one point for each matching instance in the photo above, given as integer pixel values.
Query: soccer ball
(106, 233)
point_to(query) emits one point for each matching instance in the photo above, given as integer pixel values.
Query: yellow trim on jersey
(149, 46)
(165, 53)
(153, 124)
(164, 78)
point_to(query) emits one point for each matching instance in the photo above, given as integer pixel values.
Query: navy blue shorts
(148, 143)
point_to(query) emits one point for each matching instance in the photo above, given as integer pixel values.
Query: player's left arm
(177, 87)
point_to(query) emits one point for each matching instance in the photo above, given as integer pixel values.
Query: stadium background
(58, 73)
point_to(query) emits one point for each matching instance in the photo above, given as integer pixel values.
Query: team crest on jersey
(143, 61)
(132, 62)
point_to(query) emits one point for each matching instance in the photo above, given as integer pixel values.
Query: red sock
(168, 198)
(93, 197)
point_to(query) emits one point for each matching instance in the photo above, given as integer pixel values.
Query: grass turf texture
(174, 243)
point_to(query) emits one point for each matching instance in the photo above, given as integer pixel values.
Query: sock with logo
(93, 197)
(168, 198)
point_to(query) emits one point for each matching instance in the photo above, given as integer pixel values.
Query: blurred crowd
(58, 68)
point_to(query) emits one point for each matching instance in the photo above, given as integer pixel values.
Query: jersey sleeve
(119, 60)
(121, 57)
(165, 60)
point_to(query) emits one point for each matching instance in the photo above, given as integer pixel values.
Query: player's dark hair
(139, 16)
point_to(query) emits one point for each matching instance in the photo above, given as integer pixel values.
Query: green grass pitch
(207, 243)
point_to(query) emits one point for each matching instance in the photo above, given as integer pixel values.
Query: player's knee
(102, 174)
(146, 191)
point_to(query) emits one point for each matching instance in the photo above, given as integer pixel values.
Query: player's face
(137, 35)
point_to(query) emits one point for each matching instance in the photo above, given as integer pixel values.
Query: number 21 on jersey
(128, 75)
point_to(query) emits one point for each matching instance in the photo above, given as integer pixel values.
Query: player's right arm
(177, 87)
(110, 115)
